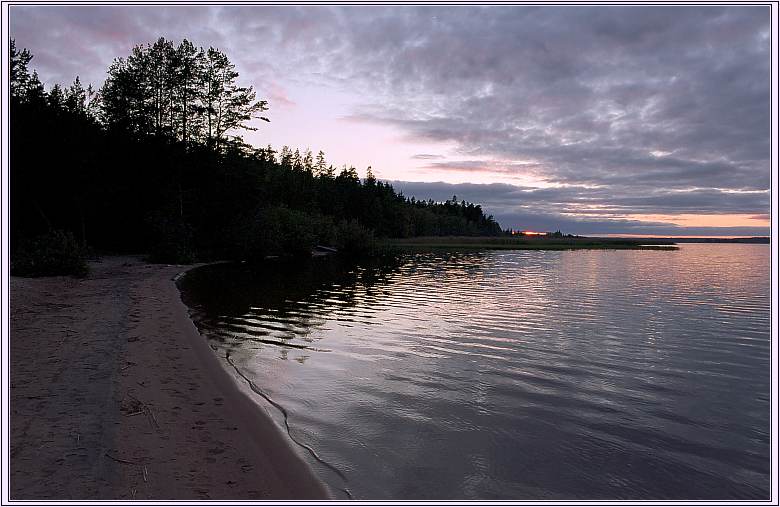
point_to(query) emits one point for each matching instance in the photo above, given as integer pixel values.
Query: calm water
(512, 374)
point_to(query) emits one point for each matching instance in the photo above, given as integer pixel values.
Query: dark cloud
(594, 94)
(574, 198)
(625, 109)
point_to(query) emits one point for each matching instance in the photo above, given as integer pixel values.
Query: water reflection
(587, 374)
(280, 304)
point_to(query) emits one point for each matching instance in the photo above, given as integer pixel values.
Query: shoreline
(116, 395)
(527, 243)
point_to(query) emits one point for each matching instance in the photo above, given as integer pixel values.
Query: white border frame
(5, 284)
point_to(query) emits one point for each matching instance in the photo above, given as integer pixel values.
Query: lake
(510, 374)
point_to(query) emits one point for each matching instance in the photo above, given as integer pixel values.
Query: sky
(642, 120)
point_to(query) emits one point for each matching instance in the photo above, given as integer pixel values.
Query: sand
(115, 395)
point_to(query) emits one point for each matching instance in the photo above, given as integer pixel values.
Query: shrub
(325, 231)
(274, 230)
(53, 253)
(286, 232)
(278, 230)
(355, 240)
(172, 240)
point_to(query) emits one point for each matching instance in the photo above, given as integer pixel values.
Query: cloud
(426, 156)
(587, 210)
(592, 94)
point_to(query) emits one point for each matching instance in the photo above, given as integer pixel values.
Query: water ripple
(568, 375)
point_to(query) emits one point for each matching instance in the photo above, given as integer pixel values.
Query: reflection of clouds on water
(522, 374)
(283, 307)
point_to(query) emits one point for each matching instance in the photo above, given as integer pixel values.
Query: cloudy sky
(593, 120)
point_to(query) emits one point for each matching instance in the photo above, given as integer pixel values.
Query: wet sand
(115, 395)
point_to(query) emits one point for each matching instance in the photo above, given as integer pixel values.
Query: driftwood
(147, 410)
(120, 460)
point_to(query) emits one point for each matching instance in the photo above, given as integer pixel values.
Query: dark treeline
(151, 162)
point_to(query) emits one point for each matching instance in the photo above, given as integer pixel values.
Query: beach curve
(115, 394)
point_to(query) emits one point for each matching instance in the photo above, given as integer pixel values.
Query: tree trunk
(43, 215)
(83, 226)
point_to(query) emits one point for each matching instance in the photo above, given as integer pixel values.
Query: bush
(281, 231)
(172, 240)
(274, 230)
(286, 232)
(54, 253)
(325, 231)
(355, 240)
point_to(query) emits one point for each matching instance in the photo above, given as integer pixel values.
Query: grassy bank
(528, 243)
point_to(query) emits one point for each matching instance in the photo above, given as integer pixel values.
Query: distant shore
(530, 243)
(115, 395)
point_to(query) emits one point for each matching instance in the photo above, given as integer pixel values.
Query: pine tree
(181, 91)
(188, 78)
(320, 167)
(122, 97)
(160, 85)
(35, 91)
(20, 74)
(56, 98)
(370, 178)
(297, 163)
(308, 163)
(285, 157)
(227, 105)
(270, 155)
(76, 98)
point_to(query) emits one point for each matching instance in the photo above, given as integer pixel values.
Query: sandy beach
(115, 395)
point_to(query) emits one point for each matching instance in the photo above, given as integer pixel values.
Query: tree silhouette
(181, 91)
(154, 161)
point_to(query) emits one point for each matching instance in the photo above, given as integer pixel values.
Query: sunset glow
(715, 220)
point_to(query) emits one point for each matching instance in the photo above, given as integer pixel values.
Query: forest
(153, 162)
